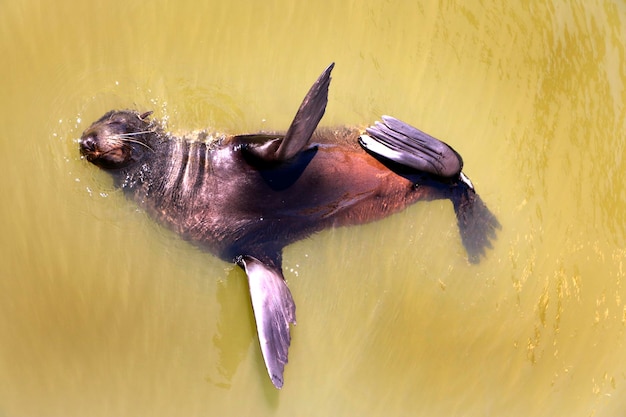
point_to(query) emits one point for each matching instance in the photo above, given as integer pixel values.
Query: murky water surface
(103, 313)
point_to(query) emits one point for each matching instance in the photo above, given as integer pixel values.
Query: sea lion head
(117, 139)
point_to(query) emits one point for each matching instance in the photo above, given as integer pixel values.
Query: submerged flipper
(477, 224)
(279, 148)
(274, 310)
(409, 146)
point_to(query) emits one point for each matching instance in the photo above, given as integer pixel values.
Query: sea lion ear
(143, 116)
(274, 310)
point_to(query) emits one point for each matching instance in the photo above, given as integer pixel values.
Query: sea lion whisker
(124, 139)
(142, 132)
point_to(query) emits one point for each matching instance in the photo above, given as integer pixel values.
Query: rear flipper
(410, 147)
(477, 225)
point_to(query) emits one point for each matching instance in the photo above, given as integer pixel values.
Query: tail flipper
(477, 225)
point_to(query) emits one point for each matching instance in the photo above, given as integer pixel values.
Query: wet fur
(245, 197)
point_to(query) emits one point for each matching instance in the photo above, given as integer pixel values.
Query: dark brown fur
(246, 197)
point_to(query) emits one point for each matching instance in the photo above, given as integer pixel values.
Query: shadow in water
(236, 331)
(234, 334)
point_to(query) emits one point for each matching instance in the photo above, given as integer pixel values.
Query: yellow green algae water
(104, 313)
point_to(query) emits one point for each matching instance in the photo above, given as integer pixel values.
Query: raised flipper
(408, 146)
(274, 310)
(278, 148)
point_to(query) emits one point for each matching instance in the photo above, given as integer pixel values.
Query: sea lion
(245, 197)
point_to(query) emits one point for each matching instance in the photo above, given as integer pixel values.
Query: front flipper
(307, 118)
(273, 309)
(278, 148)
(408, 146)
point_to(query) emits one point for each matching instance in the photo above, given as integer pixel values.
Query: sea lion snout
(115, 140)
(105, 149)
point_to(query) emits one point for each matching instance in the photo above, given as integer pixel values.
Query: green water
(103, 313)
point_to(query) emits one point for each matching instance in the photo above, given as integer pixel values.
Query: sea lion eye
(144, 116)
